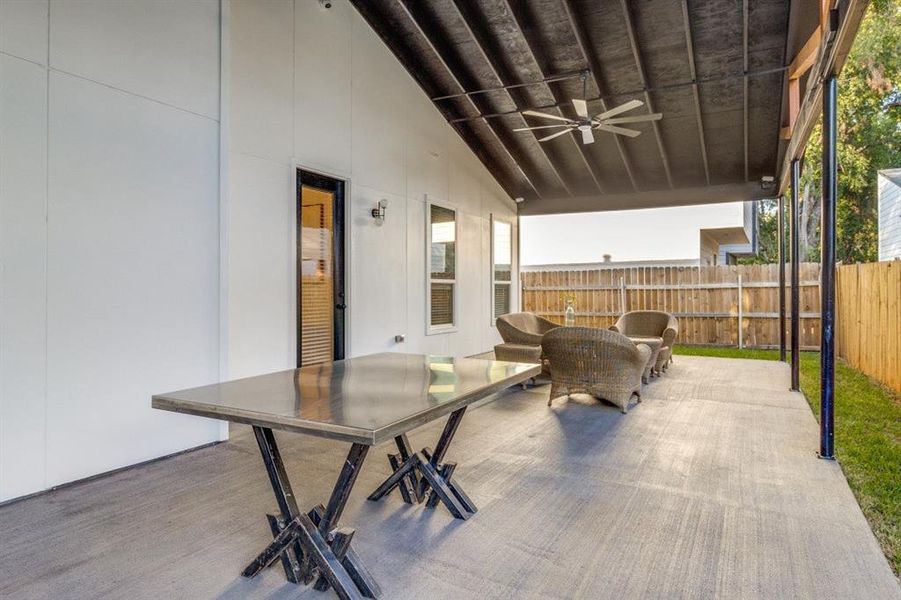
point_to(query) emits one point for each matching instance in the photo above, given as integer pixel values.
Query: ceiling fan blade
(619, 109)
(587, 136)
(534, 113)
(581, 107)
(542, 127)
(635, 119)
(619, 130)
(553, 135)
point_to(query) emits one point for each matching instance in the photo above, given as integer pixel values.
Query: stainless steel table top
(367, 400)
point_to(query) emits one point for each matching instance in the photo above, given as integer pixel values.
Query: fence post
(622, 295)
(740, 338)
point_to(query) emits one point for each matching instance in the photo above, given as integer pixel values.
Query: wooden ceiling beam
(794, 106)
(807, 55)
(469, 134)
(830, 59)
(825, 7)
(633, 42)
(628, 93)
(443, 55)
(540, 60)
(689, 44)
(471, 23)
(594, 68)
(799, 66)
(744, 45)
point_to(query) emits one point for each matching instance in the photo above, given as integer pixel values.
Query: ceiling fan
(605, 121)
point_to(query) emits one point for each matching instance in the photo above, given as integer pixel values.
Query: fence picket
(705, 298)
(868, 306)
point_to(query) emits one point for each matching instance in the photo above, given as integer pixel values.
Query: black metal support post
(781, 241)
(795, 276)
(827, 265)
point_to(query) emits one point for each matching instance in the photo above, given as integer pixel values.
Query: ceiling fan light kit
(586, 124)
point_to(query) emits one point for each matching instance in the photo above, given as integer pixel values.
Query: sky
(649, 234)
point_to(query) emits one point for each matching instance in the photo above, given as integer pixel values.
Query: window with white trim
(501, 267)
(441, 234)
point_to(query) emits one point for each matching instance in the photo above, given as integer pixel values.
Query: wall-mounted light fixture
(379, 212)
(767, 181)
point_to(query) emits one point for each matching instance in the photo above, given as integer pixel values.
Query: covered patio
(708, 488)
(232, 190)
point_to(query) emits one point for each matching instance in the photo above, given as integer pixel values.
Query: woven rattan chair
(523, 328)
(602, 363)
(651, 323)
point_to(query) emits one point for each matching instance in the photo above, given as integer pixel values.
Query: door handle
(340, 306)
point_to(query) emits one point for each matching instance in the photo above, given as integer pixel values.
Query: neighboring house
(889, 214)
(735, 237)
(725, 232)
(707, 234)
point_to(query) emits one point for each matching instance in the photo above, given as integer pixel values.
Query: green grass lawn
(867, 437)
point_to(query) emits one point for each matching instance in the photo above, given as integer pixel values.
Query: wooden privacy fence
(868, 319)
(732, 305)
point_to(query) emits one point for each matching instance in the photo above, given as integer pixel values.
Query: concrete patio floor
(708, 488)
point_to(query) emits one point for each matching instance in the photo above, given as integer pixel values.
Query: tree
(767, 240)
(869, 139)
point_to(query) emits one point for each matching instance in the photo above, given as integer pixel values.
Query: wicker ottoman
(655, 344)
(519, 353)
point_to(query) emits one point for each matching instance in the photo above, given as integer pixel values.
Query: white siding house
(109, 232)
(889, 214)
(317, 89)
(147, 213)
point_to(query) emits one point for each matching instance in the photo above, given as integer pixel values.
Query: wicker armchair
(523, 328)
(651, 323)
(602, 363)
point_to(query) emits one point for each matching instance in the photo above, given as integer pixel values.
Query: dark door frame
(337, 187)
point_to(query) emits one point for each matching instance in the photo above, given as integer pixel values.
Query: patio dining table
(364, 401)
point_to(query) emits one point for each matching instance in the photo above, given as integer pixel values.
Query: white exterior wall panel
(358, 116)
(890, 214)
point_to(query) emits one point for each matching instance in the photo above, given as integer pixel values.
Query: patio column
(795, 275)
(781, 240)
(827, 274)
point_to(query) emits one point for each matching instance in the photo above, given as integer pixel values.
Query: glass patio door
(320, 269)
